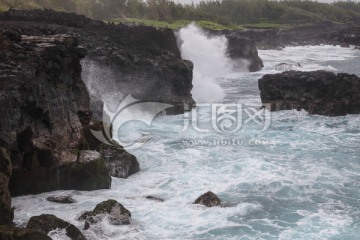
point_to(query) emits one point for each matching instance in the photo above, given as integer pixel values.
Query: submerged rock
(318, 92)
(208, 199)
(121, 163)
(66, 199)
(46, 223)
(115, 213)
(155, 198)
(8, 232)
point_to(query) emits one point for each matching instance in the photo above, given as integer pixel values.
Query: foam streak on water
(306, 185)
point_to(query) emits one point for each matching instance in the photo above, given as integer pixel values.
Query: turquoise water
(299, 179)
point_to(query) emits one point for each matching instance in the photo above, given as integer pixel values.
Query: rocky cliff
(45, 105)
(138, 60)
(319, 92)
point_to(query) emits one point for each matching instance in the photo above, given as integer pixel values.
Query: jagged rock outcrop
(45, 105)
(46, 223)
(243, 48)
(13, 233)
(115, 213)
(208, 199)
(318, 92)
(121, 164)
(350, 35)
(139, 60)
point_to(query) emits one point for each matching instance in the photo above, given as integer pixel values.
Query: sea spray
(210, 61)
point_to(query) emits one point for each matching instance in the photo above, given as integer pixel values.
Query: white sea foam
(306, 186)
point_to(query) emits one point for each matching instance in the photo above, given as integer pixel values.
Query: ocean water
(298, 179)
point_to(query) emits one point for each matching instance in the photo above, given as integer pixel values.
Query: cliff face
(44, 105)
(142, 61)
(319, 92)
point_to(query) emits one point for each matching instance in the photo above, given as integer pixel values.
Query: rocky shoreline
(48, 111)
(328, 33)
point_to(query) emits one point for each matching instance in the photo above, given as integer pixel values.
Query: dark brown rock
(243, 48)
(13, 233)
(318, 92)
(121, 163)
(6, 212)
(208, 199)
(116, 213)
(46, 223)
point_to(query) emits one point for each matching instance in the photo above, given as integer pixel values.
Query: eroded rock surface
(47, 222)
(318, 92)
(208, 199)
(115, 213)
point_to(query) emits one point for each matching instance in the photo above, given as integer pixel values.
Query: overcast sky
(195, 1)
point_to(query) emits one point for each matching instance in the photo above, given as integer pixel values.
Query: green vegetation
(176, 24)
(212, 14)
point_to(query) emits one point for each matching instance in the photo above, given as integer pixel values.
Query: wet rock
(155, 198)
(318, 92)
(13, 233)
(88, 173)
(208, 199)
(142, 61)
(287, 66)
(121, 163)
(6, 212)
(113, 211)
(46, 223)
(65, 199)
(243, 48)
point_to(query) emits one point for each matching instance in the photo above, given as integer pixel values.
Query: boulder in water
(46, 223)
(208, 199)
(66, 199)
(243, 48)
(318, 92)
(116, 214)
(121, 163)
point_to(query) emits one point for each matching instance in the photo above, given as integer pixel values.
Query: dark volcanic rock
(46, 223)
(319, 92)
(44, 104)
(14, 233)
(116, 214)
(121, 163)
(6, 212)
(243, 48)
(139, 60)
(65, 199)
(319, 33)
(208, 199)
(350, 35)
